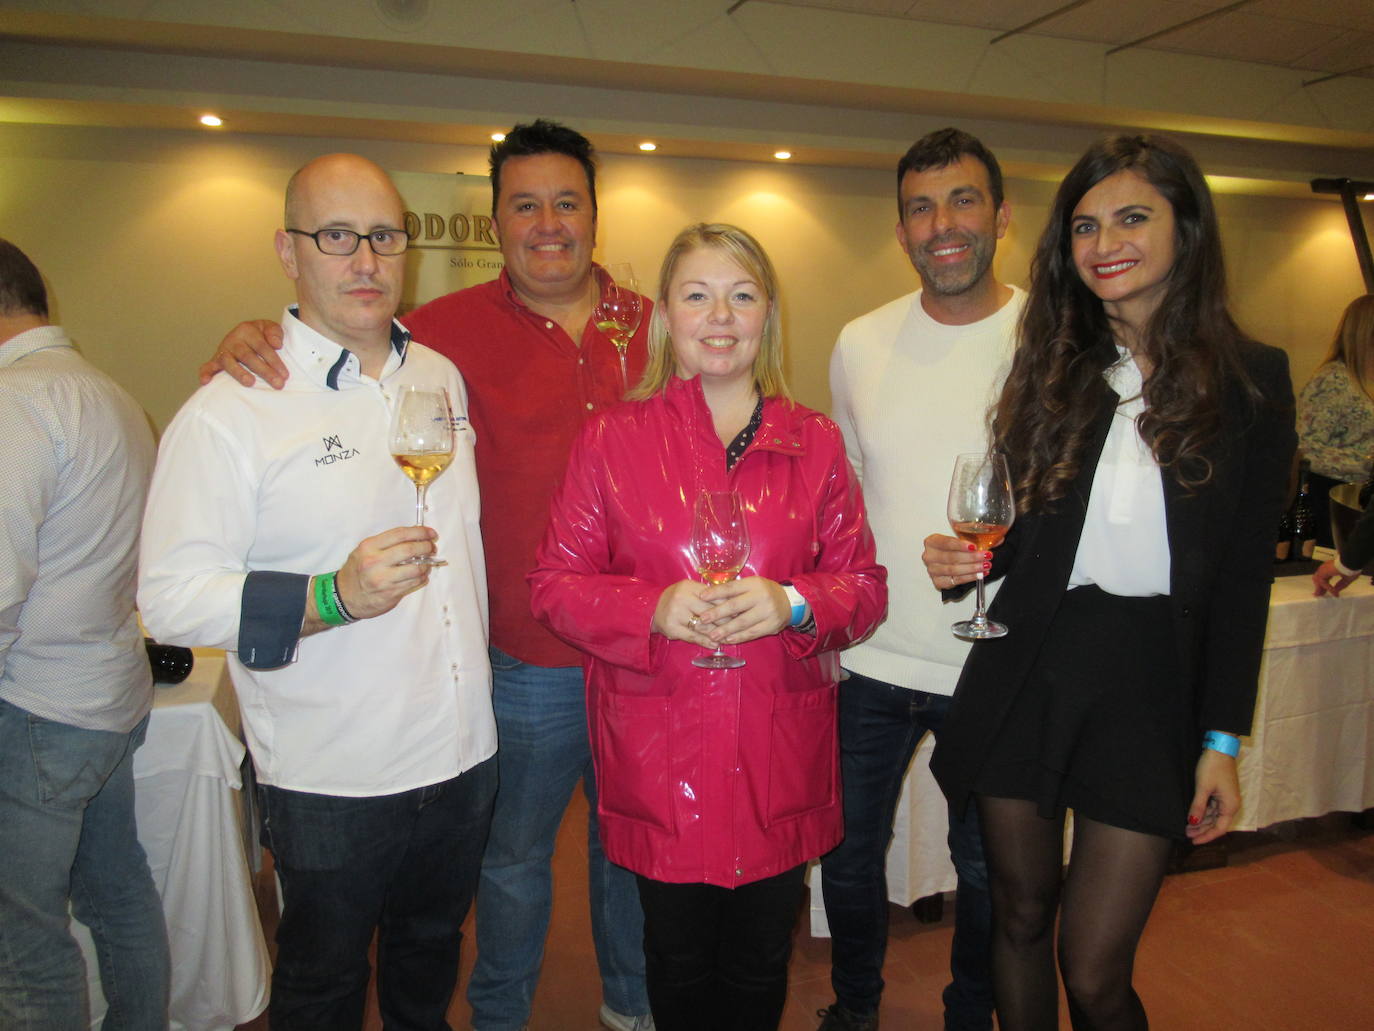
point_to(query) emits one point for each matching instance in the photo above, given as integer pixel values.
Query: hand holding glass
(619, 309)
(719, 546)
(422, 444)
(981, 509)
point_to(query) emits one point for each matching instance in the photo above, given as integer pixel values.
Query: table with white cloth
(1311, 749)
(187, 797)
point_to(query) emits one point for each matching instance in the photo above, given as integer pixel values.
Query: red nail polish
(1193, 821)
(971, 547)
(987, 566)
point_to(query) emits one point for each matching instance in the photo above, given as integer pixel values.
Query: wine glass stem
(621, 346)
(980, 617)
(419, 505)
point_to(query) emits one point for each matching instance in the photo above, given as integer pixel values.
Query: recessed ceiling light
(213, 121)
(782, 155)
(497, 137)
(647, 146)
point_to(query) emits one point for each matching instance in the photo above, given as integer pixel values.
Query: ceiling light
(497, 137)
(213, 121)
(646, 146)
(782, 155)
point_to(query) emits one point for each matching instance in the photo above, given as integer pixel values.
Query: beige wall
(154, 243)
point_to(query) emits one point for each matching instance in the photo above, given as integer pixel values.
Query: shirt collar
(40, 338)
(328, 364)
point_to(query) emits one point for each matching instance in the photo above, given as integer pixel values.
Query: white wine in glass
(719, 546)
(619, 309)
(981, 510)
(422, 444)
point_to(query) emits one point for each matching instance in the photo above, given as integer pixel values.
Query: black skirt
(1102, 724)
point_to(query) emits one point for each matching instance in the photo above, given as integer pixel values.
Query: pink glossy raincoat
(708, 776)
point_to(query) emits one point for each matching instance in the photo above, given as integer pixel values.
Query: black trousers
(716, 958)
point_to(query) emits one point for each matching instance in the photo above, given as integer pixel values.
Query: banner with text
(452, 240)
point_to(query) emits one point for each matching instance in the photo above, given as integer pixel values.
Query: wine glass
(719, 546)
(422, 444)
(619, 309)
(981, 509)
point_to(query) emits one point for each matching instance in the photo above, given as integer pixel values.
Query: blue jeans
(543, 751)
(67, 832)
(880, 727)
(404, 865)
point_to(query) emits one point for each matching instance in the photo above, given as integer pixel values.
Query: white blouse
(1124, 548)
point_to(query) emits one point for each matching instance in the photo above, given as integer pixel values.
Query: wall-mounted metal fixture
(1351, 192)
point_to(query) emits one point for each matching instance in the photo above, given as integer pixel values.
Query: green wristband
(324, 601)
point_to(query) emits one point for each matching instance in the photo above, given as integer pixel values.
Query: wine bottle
(1304, 534)
(1285, 538)
(1367, 491)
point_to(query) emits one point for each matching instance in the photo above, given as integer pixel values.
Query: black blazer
(1221, 544)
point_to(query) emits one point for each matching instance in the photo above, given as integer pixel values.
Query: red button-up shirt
(530, 388)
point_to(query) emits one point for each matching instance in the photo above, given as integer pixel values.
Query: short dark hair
(21, 286)
(542, 137)
(945, 147)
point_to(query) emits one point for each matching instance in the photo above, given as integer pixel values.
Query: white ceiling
(838, 82)
(1324, 36)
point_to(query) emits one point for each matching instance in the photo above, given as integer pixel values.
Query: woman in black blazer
(1149, 442)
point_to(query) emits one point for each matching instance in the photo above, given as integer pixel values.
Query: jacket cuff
(271, 612)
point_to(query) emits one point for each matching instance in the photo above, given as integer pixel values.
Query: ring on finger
(692, 623)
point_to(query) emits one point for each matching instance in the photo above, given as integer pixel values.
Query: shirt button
(589, 406)
(548, 325)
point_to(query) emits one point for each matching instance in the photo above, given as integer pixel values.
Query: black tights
(1103, 903)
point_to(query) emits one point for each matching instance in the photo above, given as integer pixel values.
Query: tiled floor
(1282, 939)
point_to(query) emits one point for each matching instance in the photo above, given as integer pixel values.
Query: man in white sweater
(911, 384)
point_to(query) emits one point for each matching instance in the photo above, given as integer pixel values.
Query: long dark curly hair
(1043, 419)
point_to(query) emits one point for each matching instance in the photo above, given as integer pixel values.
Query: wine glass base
(715, 661)
(423, 560)
(971, 631)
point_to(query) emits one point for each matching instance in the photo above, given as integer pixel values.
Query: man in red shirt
(536, 367)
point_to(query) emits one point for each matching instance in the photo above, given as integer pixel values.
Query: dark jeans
(404, 865)
(880, 727)
(716, 958)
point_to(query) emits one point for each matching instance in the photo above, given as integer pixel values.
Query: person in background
(75, 688)
(718, 785)
(536, 368)
(280, 529)
(947, 346)
(1149, 442)
(1336, 412)
(1335, 575)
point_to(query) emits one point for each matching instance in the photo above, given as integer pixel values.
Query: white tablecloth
(190, 821)
(1311, 750)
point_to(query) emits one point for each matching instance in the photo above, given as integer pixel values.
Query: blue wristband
(1219, 741)
(798, 603)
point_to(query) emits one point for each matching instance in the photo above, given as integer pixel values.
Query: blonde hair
(1354, 342)
(749, 255)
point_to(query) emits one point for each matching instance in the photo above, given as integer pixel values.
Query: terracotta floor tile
(1282, 939)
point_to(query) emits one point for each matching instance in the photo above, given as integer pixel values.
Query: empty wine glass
(719, 546)
(981, 509)
(422, 444)
(619, 309)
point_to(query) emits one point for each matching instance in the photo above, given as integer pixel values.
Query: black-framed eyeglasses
(342, 242)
